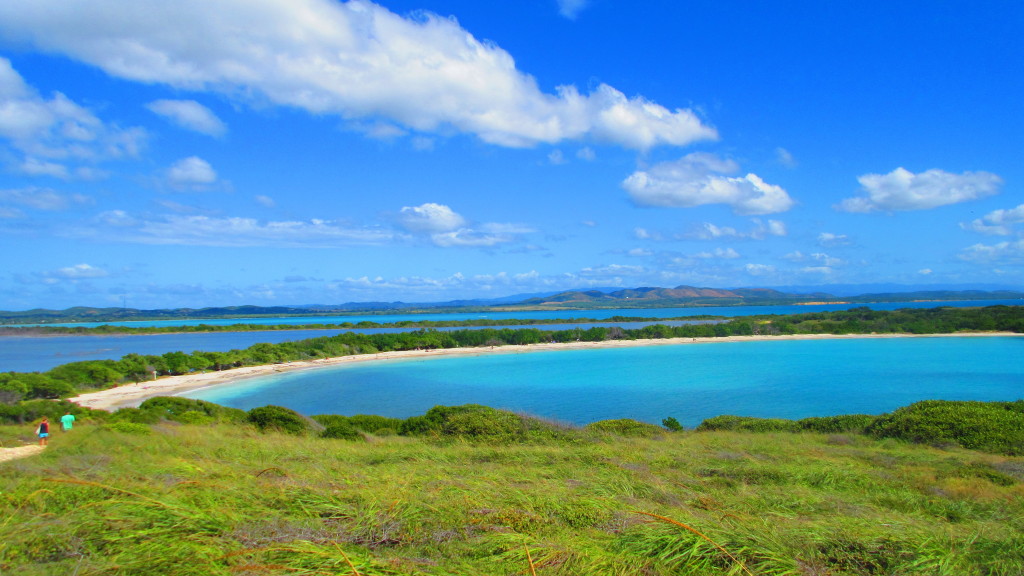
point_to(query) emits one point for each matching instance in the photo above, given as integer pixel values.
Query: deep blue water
(692, 382)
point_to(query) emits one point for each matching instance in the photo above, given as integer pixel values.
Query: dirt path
(19, 452)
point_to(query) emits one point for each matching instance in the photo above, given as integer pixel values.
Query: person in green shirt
(67, 421)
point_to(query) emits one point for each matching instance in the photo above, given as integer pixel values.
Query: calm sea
(691, 382)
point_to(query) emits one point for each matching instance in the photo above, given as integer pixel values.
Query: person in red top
(43, 431)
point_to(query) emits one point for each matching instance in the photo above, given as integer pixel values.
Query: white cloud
(42, 199)
(902, 190)
(189, 114)
(723, 253)
(354, 59)
(265, 201)
(556, 157)
(785, 158)
(79, 272)
(447, 228)
(191, 172)
(1013, 251)
(998, 222)
(36, 167)
(586, 153)
(430, 218)
(698, 179)
(830, 239)
(571, 8)
(759, 269)
(758, 231)
(56, 128)
(925, 271)
(241, 232)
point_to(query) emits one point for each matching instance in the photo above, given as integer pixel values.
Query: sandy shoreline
(131, 395)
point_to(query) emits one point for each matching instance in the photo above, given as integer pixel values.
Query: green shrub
(987, 426)
(32, 410)
(478, 422)
(194, 417)
(281, 419)
(342, 431)
(136, 415)
(672, 425)
(847, 423)
(174, 407)
(129, 427)
(748, 424)
(378, 425)
(625, 427)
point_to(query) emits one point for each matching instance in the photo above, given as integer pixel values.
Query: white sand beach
(131, 395)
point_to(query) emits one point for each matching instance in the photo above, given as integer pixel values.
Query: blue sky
(218, 152)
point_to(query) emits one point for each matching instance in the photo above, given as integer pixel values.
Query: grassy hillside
(122, 497)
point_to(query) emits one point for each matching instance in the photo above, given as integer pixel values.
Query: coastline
(131, 395)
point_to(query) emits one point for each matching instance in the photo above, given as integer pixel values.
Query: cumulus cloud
(998, 222)
(56, 129)
(190, 115)
(902, 190)
(445, 227)
(355, 59)
(191, 172)
(700, 178)
(430, 218)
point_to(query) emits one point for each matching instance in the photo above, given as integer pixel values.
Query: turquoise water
(784, 379)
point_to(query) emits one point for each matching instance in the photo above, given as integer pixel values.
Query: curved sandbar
(131, 395)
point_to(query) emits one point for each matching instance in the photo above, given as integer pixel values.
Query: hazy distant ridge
(643, 297)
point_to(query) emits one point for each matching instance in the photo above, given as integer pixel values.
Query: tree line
(76, 377)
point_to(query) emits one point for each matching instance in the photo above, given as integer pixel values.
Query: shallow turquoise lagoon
(784, 379)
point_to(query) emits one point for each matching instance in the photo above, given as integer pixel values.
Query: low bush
(342, 431)
(32, 410)
(281, 419)
(174, 408)
(987, 426)
(625, 427)
(846, 423)
(473, 421)
(370, 424)
(748, 424)
(129, 428)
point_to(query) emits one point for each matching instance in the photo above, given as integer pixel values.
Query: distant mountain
(678, 296)
(644, 297)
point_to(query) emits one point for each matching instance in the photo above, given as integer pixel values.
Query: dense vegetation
(362, 325)
(181, 487)
(76, 377)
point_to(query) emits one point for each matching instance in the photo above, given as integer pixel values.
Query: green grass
(225, 499)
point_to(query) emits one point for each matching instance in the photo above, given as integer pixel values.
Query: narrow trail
(20, 452)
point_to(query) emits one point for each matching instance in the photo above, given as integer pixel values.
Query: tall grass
(224, 499)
